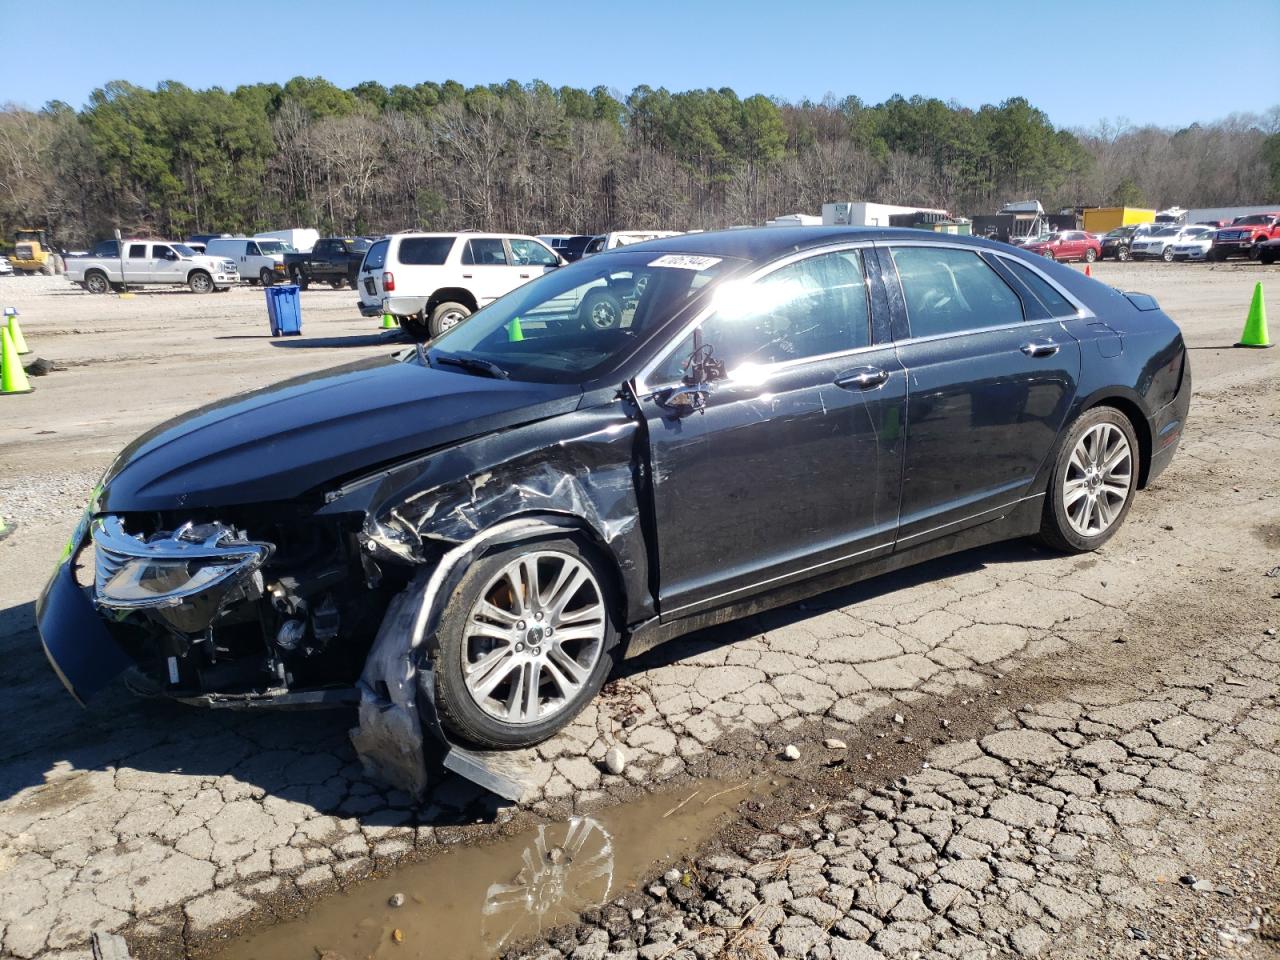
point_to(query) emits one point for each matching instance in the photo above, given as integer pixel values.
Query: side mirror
(684, 400)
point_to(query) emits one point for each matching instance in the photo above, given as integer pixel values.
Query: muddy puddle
(471, 901)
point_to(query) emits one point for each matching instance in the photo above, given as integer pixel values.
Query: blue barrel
(284, 310)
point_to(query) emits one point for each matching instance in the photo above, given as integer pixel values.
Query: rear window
(1046, 292)
(423, 251)
(376, 258)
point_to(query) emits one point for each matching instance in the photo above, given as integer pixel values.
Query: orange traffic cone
(1088, 270)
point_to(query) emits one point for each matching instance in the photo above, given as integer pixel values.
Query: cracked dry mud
(1061, 828)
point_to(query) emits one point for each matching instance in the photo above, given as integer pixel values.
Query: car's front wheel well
(1133, 413)
(454, 294)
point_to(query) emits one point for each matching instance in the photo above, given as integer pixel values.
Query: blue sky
(1163, 63)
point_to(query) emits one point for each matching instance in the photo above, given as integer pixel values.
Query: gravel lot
(1094, 728)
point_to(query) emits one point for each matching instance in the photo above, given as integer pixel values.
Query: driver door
(792, 465)
(166, 265)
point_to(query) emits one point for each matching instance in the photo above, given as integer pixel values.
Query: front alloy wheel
(524, 645)
(1094, 479)
(533, 637)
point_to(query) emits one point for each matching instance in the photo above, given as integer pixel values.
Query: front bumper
(80, 649)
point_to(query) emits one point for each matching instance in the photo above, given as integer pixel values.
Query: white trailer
(1201, 214)
(859, 213)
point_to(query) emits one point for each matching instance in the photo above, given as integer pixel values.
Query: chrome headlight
(195, 568)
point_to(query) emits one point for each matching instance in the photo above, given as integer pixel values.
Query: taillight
(388, 282)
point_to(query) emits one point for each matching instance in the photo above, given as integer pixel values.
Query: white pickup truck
(150, 262)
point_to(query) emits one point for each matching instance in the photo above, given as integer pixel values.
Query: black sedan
(467, 536)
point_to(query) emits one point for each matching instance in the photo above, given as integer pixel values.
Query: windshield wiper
(473, 363)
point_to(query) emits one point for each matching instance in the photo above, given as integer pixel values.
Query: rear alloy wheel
(1090, 255)
(1122, 253)
(446, 316)
(601, 310)
(96, 282)
(1094, 479)
(524, 644)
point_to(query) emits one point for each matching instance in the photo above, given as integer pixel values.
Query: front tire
(1123, 254)
(446, 316)
(200, 282)
(1167, 255)
(266, 277)
(1094, 479)
(525, 642)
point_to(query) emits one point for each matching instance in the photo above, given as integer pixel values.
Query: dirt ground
(1043, 755)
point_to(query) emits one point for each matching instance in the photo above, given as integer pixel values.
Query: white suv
(432, 281)
(1161, 243)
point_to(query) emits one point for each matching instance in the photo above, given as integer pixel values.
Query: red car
(1068, 245)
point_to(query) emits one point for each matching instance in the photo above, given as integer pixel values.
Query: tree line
(531, 158)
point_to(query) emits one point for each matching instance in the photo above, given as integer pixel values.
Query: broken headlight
(185, 575)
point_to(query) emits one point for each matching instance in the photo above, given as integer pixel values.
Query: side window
(423, 251)
(164, 253)
(376, 257)
(321, 249)
(137, 251)
(810, 308)
(532, 253)
(949, 290)
(488, 251)
(1046, 292)
(251, 249)
(595, 246)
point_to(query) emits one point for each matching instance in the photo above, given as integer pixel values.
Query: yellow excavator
(33, 252)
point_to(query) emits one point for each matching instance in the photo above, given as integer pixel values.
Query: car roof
(766, 243)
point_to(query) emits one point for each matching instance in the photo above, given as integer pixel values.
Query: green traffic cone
(13, 379)
(514, 332)
(388, 322)
(15, 331)
(1255, 325)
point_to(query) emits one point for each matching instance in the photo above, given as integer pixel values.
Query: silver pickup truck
(150, 262)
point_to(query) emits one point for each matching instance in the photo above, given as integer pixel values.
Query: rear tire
(446, 316)
(493, 609)
(600, 310)
(1099, 457)
(1122, 254)
(1090, 255)
(95, 281)
(337, 284)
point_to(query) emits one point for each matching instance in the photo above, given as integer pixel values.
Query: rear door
(991, 377)
(487, 269)
(137, 263)
(792, 468)
(530, 259)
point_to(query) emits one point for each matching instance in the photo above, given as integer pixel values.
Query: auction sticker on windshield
(685, 261)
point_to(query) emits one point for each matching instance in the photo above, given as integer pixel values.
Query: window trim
(644, 387)
(1083, 311)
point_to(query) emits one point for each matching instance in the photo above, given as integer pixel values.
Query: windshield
(269, 247)
(358, 245)
(566, 325)
(1255, 218)
(183, 250)
(1167, 232)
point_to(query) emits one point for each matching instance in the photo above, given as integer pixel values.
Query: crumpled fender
(463, 500)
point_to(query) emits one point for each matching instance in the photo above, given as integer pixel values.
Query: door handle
(466, 276)
(1040, 348)
(863, 378)
(526, 276)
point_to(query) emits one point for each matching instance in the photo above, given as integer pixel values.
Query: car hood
(277, 443)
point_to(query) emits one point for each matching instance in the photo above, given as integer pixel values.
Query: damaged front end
(256, 607)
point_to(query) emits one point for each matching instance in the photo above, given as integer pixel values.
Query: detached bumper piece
(81, 651)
